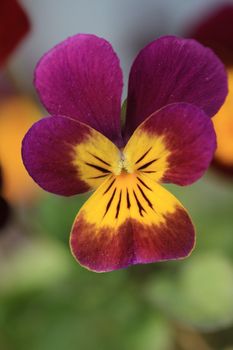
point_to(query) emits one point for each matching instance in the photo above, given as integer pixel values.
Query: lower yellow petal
(130, 219)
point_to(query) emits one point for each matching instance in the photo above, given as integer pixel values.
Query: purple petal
(57, 151)
(81, 78)
(181, 142)
(170, 70)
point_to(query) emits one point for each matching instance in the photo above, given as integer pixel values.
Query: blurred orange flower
(17, 114)
(223, 124)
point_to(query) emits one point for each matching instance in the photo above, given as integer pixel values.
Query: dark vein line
(145, 197)
(110, 202)
(97, 177)
(110, 186)
(140, 207)
(143, 156)
(118, 206)
(149, 172)
(100, 159)
(143, 183)
(147, 164)
(103, 170)
(127, 199)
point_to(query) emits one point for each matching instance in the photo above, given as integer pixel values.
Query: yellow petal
(130, 219)
(96, 159)
(146, 154)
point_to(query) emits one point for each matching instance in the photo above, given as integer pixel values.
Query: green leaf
(210, 203)
(200, 294)
(33, 265)
(55, 215)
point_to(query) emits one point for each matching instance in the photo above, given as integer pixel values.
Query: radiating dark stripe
(97, 177)
(140, 207)
(143, 156)
(103, 170)
(145, 197)
(143, 183)
(110, 186)
(100, 159)
(127, 199)
(144, 166)
(149, 171)
(110, 202)
(118, 205)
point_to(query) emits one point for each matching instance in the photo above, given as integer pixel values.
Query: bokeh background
(47, 301)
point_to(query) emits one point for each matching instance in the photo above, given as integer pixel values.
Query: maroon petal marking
(108, 249)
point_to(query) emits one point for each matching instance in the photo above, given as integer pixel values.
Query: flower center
(124, 166)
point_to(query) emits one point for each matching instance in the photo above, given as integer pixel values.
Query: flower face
(175, 86)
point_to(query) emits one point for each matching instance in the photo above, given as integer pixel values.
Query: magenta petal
(171, 70)
(189, 137)
(81, 78)
(48, 154)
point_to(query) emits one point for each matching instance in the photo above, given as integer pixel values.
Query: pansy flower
(175, 86)
(216, 31)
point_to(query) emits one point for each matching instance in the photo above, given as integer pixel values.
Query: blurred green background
(48, 301)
